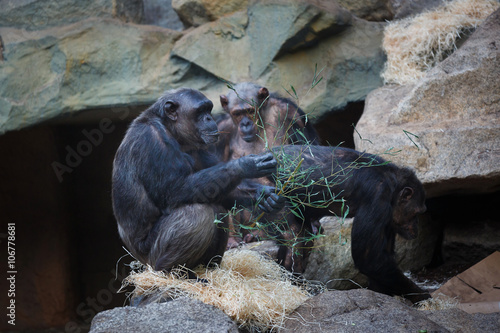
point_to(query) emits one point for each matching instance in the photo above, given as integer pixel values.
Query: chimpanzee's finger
(276, 201)
(264, 206)
(267, 157)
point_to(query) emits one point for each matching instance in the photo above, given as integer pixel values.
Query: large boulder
(357, 310)
(363, 310)
(90, 64)
(331, 262)
(351, 61)
(254, 45)
(446, 125)
(186, 314)
(219, 47)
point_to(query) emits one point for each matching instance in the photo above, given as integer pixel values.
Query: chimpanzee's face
(189, 115)
(204, 124)
(244, 118)
(246, 104)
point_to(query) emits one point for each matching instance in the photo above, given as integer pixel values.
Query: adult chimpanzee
(256, 120)
(385, 200)
(167, 188)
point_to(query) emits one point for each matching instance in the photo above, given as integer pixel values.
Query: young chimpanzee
(168, 189)
(257, 120)
(385, 200)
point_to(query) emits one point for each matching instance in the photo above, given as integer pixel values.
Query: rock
(186, 313)
(220, 48)
(161, 13)
(362, 310)
(198, 12)
(446, 125)
(456, 320)
(39, 14)
(371, 10)
(99, 64)
(235, 49)
(405, 8)
(90, 64)
(357, 310)
(300, 24)
(351, 61)
(330, 260)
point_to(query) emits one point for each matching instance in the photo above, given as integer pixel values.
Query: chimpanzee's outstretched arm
(215, 184)
(180, 185)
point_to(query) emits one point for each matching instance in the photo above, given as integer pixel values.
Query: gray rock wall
(40, 14)
(62, 58)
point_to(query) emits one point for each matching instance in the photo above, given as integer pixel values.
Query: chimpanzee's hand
(268, 201)
(256, 166)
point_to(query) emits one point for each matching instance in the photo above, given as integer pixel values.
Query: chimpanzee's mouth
(211, 137)
(249, 137)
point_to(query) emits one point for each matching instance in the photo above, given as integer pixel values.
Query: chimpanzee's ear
(224, 101)
(170, 109)
(262, 94)
(406, 194)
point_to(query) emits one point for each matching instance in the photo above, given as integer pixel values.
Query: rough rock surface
(371, 10)
(90, 64)
(452, 115)
(362, 310)
(456, 320)
(331, 262)
(198, 12)
(160, 13)
(37, 14)
(236, 49)
(102, 63)
(185, 314)
(357, 310)
(405, 8)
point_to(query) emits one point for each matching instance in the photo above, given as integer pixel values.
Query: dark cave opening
(337, 127)
(56, 188)
(469, 232)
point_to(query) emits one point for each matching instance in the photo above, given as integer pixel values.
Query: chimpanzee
(168, 188)
(256, 120)
(384, 199)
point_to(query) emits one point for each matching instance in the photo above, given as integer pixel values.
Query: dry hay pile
(415, 44)
(254, 291)
(440, 302)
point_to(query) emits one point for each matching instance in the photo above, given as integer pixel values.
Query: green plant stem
(282, 189)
